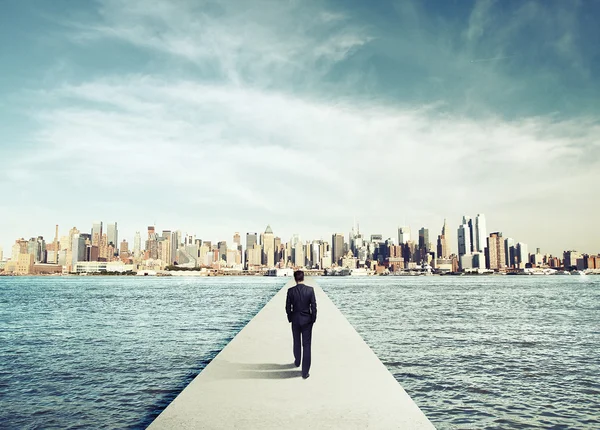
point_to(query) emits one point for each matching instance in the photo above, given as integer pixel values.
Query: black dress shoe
(306, 377)
(296, 364)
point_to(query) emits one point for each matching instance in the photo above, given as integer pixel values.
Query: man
(301, 309)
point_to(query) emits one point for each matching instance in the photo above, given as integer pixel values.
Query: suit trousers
(304, 331)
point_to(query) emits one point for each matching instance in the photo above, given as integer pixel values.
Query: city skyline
(453, 242)
(223, 116)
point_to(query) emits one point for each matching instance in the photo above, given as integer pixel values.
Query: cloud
(251, 134)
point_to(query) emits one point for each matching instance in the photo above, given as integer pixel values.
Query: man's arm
(313, 305)
(288, 307)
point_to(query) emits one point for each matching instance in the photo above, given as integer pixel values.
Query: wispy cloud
(259, 130)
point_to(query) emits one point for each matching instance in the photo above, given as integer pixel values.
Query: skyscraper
(495, 253)
(510, 252)
(522, 256)
(480, 233)
(403, 235)
(442, 246)
(96, 233)
(112, 234)
(137, 244)
(337, 248)
(424, 239)
(464, 239)
(268, 247)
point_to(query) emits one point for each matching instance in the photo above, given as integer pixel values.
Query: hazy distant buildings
(268, 245)
(137, 244)
(464, 239)
(570, 259)
(403, 235)
(337, 248)
(495, 252)
(522, 255)
(424, 244)
(510, 252)
(112, 234)
(443, 250)
(480, 233)
(96, 233)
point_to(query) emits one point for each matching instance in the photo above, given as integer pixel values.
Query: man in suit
(301, 309)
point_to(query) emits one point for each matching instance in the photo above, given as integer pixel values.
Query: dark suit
(301, 309)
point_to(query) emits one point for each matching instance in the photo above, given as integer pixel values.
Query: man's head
(299, 276)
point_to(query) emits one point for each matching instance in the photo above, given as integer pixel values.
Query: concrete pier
(253, 384)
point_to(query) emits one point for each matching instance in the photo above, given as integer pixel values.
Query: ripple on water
(484, 352)
(80, 353)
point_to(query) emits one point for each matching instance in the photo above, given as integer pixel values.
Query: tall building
(55, 259)
(522, 255)
(471, 233)
(78, 248)
(403, 235)
(112, 234)
(251, 240)
(1, 254)
(337, 248)
(480, 233)
(495, 252)
(124, 247)
(97, 232)
(424, 243)
(268, 247)
(222, 245)
(175, 243)
(152, 243)
(443, 250)
(464, 239)
(510, 252)
(137, 244)
(570, 259)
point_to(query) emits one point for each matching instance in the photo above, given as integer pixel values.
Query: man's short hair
(299, 275)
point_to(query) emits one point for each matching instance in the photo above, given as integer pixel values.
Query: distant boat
(563, 272)
(578, 272)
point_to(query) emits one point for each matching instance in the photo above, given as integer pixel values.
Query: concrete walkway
(253, 384)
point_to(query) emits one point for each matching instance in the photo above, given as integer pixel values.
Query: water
(485, 352)
(473, 352)
(104, 352)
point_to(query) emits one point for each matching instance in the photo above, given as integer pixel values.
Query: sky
(220, 116)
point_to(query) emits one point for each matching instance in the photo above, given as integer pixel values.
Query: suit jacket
(301, 305)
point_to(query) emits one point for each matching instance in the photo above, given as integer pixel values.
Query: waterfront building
(403, 235)
(349, 261)
(112, 234)
(152, 244)
(570, 259)
(96, 233)
(1, 254)
(510, 253)
(79, 248)
(298, 254)
(337, 248)
(495, 251)
(424, 244)
(326, 259)
(268, 243)
(254, 256)
(522, 255)
(480, 233)
(137, 245)
(278, 250)
(464, 239)
(316, 254)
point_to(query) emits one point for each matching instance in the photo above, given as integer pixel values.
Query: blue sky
(222, 116)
